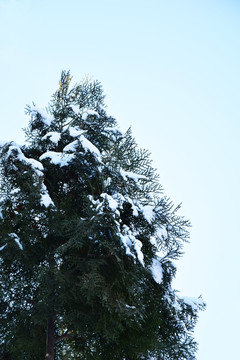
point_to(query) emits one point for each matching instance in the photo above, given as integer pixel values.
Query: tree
(87, 241)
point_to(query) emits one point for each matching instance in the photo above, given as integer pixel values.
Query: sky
(170, 70)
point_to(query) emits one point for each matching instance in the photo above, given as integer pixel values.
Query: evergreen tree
(87, 241)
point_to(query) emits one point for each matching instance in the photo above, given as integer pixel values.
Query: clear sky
(171, 70)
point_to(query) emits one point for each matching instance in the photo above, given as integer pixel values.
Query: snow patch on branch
(138, 246)
(2, 247)
(16, 238)
(195, 303)
(84, 113)
(130, 306)
(36, 165)
(53, 136)
(156, 270)
(132, 244)
(75, 109)
(63, 158)
(110, 201)
(71, 146)
(148, 213)
(126, 241)
(131, 175)
(75, 131)
(46, 118)
(88, 146)
(57, 158)
(162, 233)
(45, 198)
(38, 169)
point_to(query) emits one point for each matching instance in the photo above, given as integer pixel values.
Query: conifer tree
(87, 241)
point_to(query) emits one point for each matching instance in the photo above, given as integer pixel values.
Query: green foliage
(87, 240)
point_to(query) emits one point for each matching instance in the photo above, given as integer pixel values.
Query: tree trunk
(50, 343)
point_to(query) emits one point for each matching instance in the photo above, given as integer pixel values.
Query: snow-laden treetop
(82, 192)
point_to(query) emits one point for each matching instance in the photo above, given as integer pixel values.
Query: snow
(57, 158)
(111, 202)
(161, 232)
(75, 131)
(107, 182)
(54, 136)
(130, 242)
(138, 246)
(94, 202)
(130, 307)
(119, 197)
(45, 117)
(62, 158)
(160, 253)
(127, 244)
(195, 303)
(16, 239)
(131, 175)
(71, 146)
(15, 191)
(176, 305)
(45, 198)
(156, 270)
(122, 173)
(76, 109)
(86, 113)
(2, 247)
(135, 211)
(153, 241)
(88, 146)
(148, 213)
(36, 165)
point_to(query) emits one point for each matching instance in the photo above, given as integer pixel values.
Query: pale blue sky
(170, 69)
